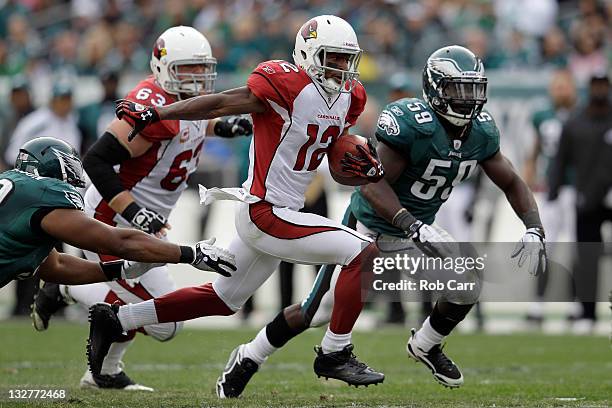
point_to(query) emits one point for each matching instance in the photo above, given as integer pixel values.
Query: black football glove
(233, 126)
(144, 219)
(367, 166)
(137, 115)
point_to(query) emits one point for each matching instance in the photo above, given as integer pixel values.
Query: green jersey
(24, 200)
(436, 162)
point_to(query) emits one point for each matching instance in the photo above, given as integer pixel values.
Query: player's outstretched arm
(232, 102)
(70, 270)
(75, 228)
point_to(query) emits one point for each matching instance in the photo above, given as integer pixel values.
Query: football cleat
(47, 301)
(119, 381)
(443, 369)
(343, 365)
(236, 374)
(104, 329)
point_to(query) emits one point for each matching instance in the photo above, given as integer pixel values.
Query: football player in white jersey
(298, 110)
(137, 184)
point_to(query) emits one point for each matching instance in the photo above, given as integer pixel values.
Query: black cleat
(236, 375)
(104, 330)
(47, 301)
(443, 369)
(343, 365)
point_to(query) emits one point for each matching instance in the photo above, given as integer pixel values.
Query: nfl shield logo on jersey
(457, 144)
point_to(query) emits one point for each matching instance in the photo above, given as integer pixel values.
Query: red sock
(347, 295)
(111, 298)
(190, 303)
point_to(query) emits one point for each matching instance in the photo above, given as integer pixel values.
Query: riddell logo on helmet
(309, 30)
(159, 50)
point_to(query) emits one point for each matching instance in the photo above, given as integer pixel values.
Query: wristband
(112, 269)
(187, 254)
(130, 211)
(403, 219)
(531, 219)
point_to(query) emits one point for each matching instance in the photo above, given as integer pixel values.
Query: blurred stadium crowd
(84, 36)
(59, 43)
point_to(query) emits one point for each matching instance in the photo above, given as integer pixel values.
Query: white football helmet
(320, 36)
(179, 46)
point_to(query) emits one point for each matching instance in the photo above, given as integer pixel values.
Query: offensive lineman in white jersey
(137, 184)
(298, 111)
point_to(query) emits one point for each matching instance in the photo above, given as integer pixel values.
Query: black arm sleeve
(99, 161)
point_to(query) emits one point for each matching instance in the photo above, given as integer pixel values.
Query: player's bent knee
(164, 331)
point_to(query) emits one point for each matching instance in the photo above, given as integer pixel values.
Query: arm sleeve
(358, 102)
(491, 146)
(99, 162)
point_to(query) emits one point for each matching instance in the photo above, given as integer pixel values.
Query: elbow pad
(99, 162)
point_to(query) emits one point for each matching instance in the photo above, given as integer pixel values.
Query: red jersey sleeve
(358, 101)
(147, 92)
(278, 82)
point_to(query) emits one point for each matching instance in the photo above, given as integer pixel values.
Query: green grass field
(500, 371)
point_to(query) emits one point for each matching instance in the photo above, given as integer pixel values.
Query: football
(336, 152)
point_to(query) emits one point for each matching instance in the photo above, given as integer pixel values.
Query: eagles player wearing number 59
(427, 146)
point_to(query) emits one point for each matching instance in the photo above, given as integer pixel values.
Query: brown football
(335, 154)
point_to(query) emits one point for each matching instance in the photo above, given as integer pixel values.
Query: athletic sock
(111, 366)
(136, 315)
(335, 342)
(259, 349)
(427, 337)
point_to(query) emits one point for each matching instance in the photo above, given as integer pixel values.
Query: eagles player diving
(427, 146)
(41, 206)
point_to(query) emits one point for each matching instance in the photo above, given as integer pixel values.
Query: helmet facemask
(456, 93)
(322, 67)
(192, 84)
(464, 97)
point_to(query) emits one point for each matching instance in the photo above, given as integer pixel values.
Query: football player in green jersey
(40, 206)
(427, 146)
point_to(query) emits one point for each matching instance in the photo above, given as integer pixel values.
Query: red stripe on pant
(263, 217)
(190, 303)
(348, 292)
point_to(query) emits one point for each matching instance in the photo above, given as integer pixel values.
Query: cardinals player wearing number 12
(298, 111)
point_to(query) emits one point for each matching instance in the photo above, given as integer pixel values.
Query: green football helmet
(50, 157)
(454, 84)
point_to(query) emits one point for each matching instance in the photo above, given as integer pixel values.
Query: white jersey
(157, 178)
(292, 135)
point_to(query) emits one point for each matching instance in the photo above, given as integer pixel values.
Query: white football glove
(532, 249)
(212, 258)
(133, 269)
(430, 240)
